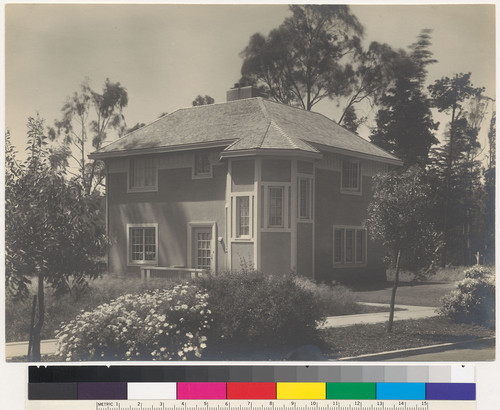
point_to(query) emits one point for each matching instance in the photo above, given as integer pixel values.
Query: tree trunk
(393, 296)
(32, 324)
(37, 329)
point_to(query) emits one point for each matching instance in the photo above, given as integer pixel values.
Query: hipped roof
(253, 124)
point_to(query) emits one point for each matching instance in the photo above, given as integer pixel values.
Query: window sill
(139, 190)
(145, 263)
(349, 265)
(202, 176)
(349, 192)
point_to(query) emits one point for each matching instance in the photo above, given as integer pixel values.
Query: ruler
(250, 405)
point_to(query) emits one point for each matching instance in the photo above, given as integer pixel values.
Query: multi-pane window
(202, 167)
(349, 245)
(143, 174)
(276, 206)
(351, 175)
(305, 197)
(142, 244)
(338, 246)
(242, 216)
(360, 245)
(203, 250)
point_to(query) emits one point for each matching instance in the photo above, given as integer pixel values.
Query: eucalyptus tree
(87, 118)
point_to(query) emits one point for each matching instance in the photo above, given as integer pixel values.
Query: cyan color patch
(400, 391)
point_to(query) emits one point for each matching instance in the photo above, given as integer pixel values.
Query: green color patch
(350, 391)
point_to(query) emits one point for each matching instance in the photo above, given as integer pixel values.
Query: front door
(203, 249)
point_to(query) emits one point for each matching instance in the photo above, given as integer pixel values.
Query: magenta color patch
(201, 391)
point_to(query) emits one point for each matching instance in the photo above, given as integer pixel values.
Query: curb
(416, 350)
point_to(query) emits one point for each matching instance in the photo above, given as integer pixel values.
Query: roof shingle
(253, 123)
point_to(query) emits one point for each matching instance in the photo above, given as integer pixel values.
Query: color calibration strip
(251, 391)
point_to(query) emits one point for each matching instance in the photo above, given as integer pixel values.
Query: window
(202, 166)
(305, 198)
(142, 244)
(351, 175)
(349, 246)
(242, 216)
(276, 206)
(143, 174)
(360, 246)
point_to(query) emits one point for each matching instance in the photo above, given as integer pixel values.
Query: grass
(416, 294)
(65, 308)
(365, 339)
(446, 274)
(335, 300)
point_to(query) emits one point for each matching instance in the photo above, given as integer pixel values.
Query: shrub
(333, 300)
(63, 308)
(474, 299)
(252, 307)
(157, 325)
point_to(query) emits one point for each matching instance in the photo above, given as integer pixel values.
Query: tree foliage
(200, 100)
(87, 118)
(301, 62)
(455, 169)
(366, 77)
(404, 122)
(399, 216)
(52, 228)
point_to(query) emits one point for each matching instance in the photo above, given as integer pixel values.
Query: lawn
(413, 293)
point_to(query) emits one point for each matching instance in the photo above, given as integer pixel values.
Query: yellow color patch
(301, 391)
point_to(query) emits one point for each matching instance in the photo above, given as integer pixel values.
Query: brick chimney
(242, 91)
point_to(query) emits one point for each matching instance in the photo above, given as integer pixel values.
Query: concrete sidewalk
(48, 347)
(409, 312)
(17, 349)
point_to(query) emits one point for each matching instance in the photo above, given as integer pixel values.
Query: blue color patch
(400, 391)
(451, 391)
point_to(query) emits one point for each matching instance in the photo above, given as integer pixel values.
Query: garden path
(409, 312)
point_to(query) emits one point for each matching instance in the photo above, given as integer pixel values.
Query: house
(247, 181)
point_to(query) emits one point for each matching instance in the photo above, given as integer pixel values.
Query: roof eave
(160, 150)
(270, 152)
(357, 154)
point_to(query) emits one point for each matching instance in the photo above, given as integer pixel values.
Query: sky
(165, 55)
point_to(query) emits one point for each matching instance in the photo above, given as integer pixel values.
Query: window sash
(338, 246)
(349, 246)
(350, 175)
(242, 216)
(276, 209)
(202, 164)
(142, 244)
(305, 197)
(360, 246)
(143, 172)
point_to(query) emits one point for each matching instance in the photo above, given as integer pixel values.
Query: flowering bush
(165, 324)
(253, 307)
(474, 299)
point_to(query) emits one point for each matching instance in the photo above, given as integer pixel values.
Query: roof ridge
(335, 122)
(263, 107)
(284, 134)
(265, 134)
